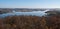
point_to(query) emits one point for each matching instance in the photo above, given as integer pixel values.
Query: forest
(51, 21)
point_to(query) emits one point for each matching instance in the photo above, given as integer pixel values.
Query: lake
(36, 13)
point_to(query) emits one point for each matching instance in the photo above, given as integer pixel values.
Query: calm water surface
(36, 13)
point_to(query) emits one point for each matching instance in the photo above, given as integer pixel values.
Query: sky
(29, 3)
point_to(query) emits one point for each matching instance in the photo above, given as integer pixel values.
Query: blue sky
(29, 3)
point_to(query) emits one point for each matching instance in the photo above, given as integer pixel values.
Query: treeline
(30, 22)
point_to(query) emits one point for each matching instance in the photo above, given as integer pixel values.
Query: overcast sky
(29, 3)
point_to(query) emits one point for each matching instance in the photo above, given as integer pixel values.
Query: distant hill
(8, 10)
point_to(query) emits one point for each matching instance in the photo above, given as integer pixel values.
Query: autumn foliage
(30, 22)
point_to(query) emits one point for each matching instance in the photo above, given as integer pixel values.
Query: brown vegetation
(30, 22)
